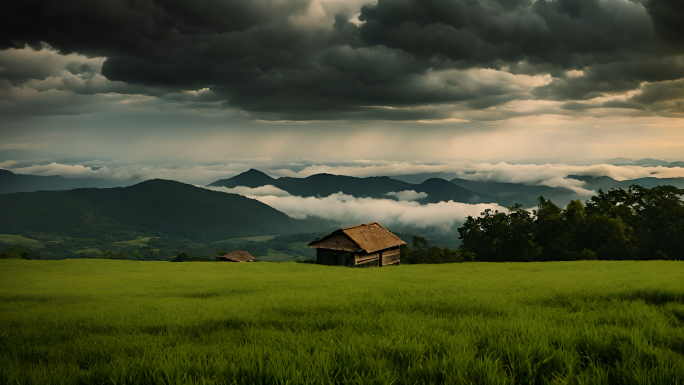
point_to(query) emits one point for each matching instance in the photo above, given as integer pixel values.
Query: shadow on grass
(41, 298)
(214, 294)
(652, 296)
(656, 297)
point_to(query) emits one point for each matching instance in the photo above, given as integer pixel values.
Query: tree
(633, 223)
(181, 257)
(551, 234)
(18, 252)
(419, 242)
(497, 236)
(422, 252)
(660, 223)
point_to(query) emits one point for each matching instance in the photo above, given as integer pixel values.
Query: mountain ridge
(157, 206)
(325, 184)
(11, 182)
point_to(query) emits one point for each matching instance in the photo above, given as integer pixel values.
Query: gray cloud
(664, 96)
(204, 173)
(668, 18)
(570, 34)
(616, 77)
(305, 59)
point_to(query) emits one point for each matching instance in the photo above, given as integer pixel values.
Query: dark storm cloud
(569, 34)
(668, 17)
(271, 58)
(666, 96)
(613, 77)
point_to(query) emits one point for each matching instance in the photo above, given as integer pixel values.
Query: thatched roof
(368, 237)
(237, 256)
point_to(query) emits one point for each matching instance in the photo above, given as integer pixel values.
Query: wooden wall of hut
(381, 258)
(333, 257)
(366, 260)
(391, 256)
(345, 258)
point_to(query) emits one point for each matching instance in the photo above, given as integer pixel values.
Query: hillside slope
(507, 194)
(159, 207)
(251, 178)
(11, 183)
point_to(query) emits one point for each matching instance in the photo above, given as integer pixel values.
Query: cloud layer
(554, 175)
(331, 59)
(407, 195)
(348, 210)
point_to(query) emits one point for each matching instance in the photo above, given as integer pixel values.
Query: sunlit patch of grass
(19, 240)
(103, 321)
(261, 238)
(89, 252)
(140, 241)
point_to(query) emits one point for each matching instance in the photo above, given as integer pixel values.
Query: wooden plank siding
(381, 258)
(346, 258)
(363, 258)
(391, 257)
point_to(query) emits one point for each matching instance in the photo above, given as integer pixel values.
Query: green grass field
(123, 322)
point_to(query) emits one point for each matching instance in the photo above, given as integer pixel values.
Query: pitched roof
(238, 256)
(368, 237)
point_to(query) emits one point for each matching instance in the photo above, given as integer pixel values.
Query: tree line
(637, 223)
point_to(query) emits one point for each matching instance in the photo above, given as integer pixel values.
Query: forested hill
(251, 178)
(158, 207)
(11, 182)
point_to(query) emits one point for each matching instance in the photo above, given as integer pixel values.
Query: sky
(204, 89)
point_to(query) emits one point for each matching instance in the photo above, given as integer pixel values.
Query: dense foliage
(634, 223)
(17, 252)
(421, 251)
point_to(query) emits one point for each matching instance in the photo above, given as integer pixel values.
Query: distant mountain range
(435, 186)
(507, 194)
(158, 207)
(180, 214)
(606, 183)
(373, 187)
(11, 182)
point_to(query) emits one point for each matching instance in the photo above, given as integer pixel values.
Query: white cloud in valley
(268, 190)
(407, 195)
(554, 175)
(526, 173)
(574, 185)
(346, 210)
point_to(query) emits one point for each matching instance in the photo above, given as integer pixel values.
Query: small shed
(237, 256)
(363, 245)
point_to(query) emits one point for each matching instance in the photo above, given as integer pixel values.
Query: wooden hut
(236, 256)
(368, 244)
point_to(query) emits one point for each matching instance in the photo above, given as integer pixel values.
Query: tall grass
(122, 322)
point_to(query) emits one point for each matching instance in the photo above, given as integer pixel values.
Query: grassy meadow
(124, 322)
